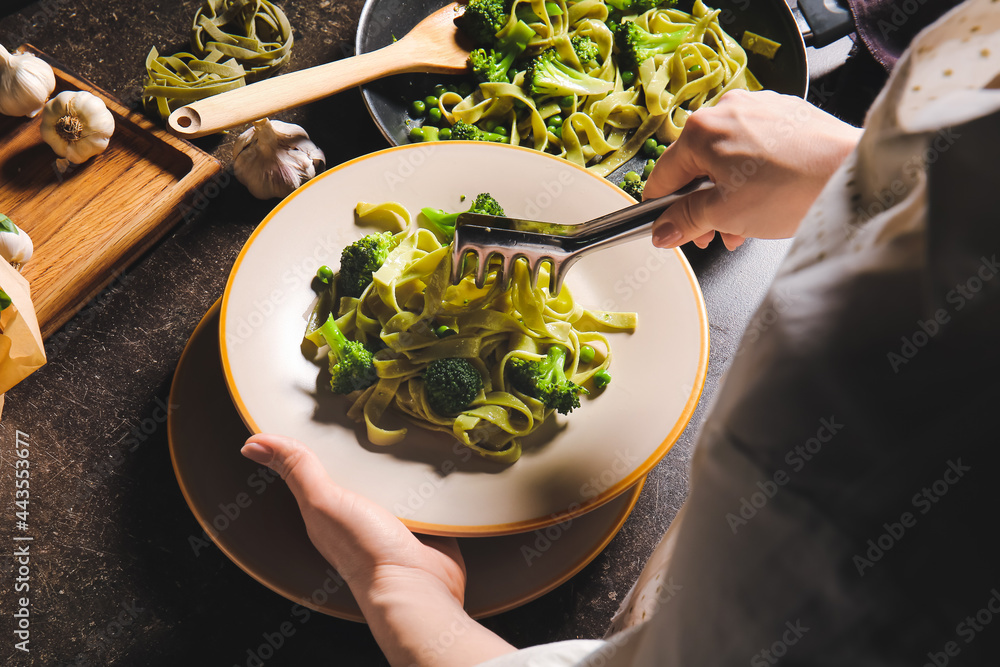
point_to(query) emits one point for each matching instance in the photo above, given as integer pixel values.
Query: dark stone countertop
(113, 578)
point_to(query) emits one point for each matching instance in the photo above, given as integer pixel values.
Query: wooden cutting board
(90, 223)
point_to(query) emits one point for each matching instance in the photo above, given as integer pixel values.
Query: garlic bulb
(273, 158)
(15, 244)
(25, 83)
(77, 125)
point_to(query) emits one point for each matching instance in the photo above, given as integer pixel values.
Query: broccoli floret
(493, 65)
(636, 45)
(352, 366)
(634, 188)
(547, 75)
(361, 259)
(451, 385)
(633, 184)
(485, 204)
(546, 380)
(585, 48)
(639, 6)
(444, 223)
(469, 132)
(483, 19)
(489, 66)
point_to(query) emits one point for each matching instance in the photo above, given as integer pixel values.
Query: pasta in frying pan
(642, 96)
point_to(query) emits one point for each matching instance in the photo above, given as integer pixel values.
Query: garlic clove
(26, 82)
(15, 244)
(273, 158)
(77, 125)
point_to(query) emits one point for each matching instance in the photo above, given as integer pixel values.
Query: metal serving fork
(487, 236)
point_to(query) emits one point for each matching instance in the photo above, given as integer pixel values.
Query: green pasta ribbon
(760, 45)
(411, 294)
(173, 81)
(235, 42)
(254, 32)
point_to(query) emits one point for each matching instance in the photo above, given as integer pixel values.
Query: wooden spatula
(432, 47)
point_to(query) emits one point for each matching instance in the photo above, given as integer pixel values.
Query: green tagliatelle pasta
(235, 42)
(605, 130)
(411, 294)
(254, 32)
(173, 81)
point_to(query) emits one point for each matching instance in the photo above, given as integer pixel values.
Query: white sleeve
(862, 392)
(558, 654)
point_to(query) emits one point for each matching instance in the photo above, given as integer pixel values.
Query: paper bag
(21, 347)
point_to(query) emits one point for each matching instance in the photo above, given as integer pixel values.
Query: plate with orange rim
(250, 514)
(569, 466)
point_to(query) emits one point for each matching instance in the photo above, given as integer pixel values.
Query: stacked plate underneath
(525, 527)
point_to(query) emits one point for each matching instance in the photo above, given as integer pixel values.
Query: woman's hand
(769, 155)
(410, 590)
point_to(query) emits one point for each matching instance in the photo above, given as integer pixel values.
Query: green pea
(440, 90)
(632, 176)
(434, 115)
(554, 130)
(648, 168)
(628, 78)
(418, 108)
(324, 273)
(567, 102)
(416, 134)
(660, 149)
(490, 124)
(444, 133)
(555, 121)
(602, 379)
(587, 354)
(431, 101)
(649, 147)
(501, 130)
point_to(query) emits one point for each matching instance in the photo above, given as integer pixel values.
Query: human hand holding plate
(407, 588)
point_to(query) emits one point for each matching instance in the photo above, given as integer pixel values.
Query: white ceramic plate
(237, 502)
(433, 484)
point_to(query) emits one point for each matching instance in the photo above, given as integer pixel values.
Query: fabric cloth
(888, 26)
(842, 509)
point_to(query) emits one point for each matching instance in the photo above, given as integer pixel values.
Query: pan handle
(828, 20)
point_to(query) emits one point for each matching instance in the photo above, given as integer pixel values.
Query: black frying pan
(388, 99)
